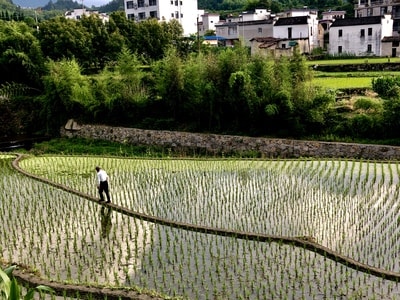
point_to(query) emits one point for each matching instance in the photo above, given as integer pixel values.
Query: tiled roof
(291, 21)
(265, 39)
(389, 39)
(245, 23)
(357, 21)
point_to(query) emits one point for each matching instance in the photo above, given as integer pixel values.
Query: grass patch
(355, 61)
(343, 82)
(81, 146)
(319, 74)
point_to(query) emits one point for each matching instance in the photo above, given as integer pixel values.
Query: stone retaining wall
(219, 144)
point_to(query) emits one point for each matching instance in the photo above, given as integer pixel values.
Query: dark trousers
(104, 188)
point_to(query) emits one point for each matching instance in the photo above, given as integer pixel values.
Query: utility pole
(198, 34)
(241, 17)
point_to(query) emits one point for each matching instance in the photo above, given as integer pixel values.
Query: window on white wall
(369, 31)
(362, 33)
(152, 2)
(369, 48)
(153, 14)
(129, 4)
(340, 33)
(340, 49)
(259, 30)
(140, 3)
(142, 15)
(289, 32)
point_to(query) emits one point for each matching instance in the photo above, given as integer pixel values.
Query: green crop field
(350, 207)
(346, 61)
(343, 82)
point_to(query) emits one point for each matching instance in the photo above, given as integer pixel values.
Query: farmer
(102, 184)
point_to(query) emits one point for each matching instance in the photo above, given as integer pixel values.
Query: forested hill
(209, 5)
(58, 4)
(275, 5)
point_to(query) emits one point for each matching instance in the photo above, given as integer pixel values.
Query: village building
(244, 27)
(328, 17)
(185, 12)
(391, 46)
(78, 13)
(207, 23)
(360, 36)
(302, 31)
(368, 8)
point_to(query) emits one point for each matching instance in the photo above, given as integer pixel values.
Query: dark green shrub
(387, 86)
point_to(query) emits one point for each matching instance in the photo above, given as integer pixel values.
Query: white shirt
(101, 176)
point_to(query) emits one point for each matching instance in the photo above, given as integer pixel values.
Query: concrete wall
(217, 144)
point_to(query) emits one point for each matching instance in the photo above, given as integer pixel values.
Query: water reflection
(105, 215)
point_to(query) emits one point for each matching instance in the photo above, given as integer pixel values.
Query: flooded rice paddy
(348, 206)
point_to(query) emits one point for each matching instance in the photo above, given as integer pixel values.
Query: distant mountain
(41, 3)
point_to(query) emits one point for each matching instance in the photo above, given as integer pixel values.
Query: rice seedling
(347, 206)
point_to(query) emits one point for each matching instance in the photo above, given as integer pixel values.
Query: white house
(246, 26)
(359, 36)
(244, 30)
(270, 46)
(184, 11)
(77, 14)
(391, 46)
(303, 31)
(328, 17)
(368, 8)
(208, 22)
(297, 12)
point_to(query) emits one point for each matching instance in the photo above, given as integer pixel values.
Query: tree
(125, 27)
(152, 38)
(229, 105)
(67, 93)
(261, 115)
(105, 40)
(169, 83)
(120, 91)
(21, 58)
(391, 117)
(62, 38)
